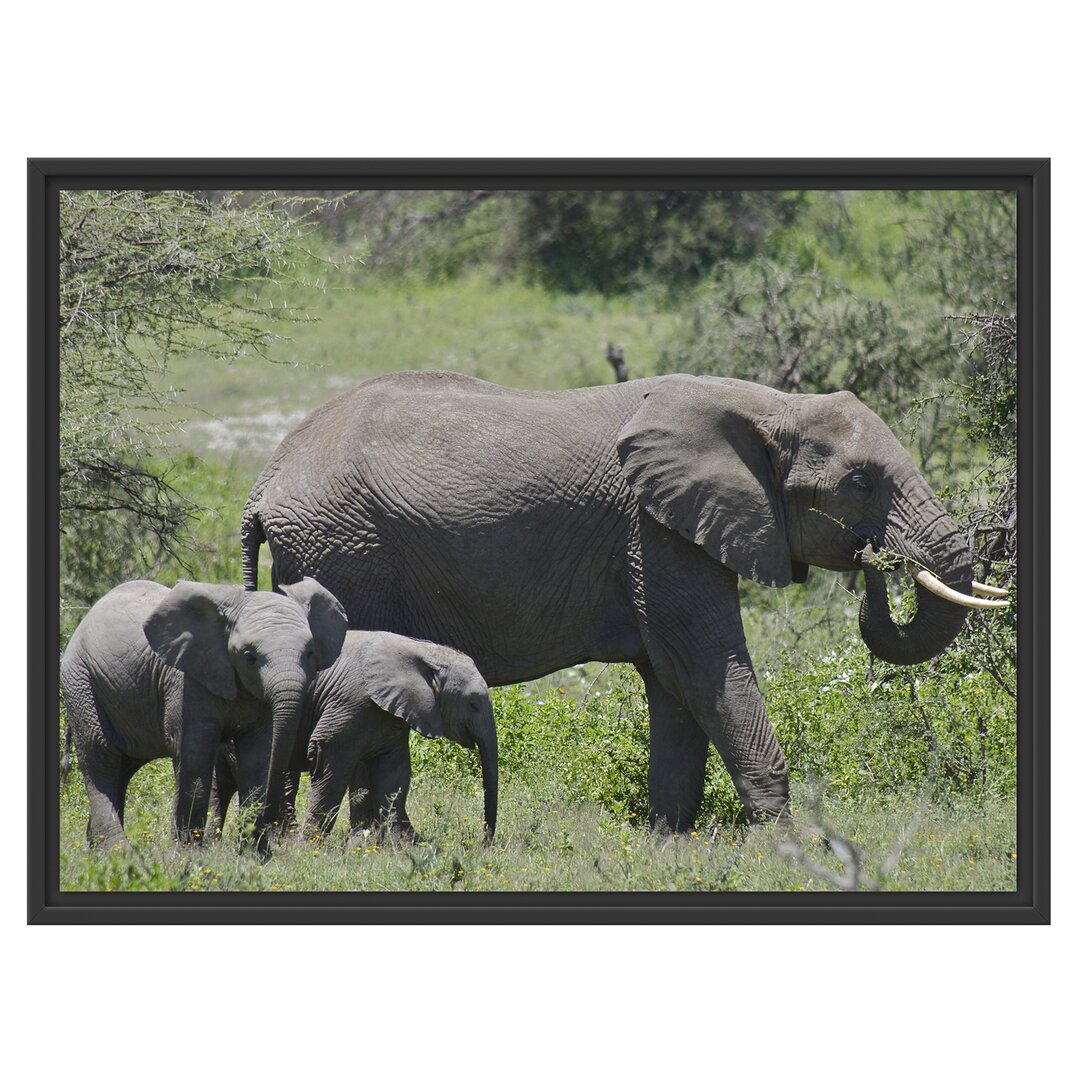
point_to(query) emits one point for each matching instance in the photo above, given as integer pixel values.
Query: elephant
(534, 530)
(155, 672)
(355, 726)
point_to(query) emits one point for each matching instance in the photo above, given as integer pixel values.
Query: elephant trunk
(941, 556)
(488, 744)
(288, 701)
(935, 624)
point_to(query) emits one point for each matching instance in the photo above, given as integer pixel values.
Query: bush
(870, 729)
(988, 501)
(616, 242)
(92, 561)
(147, 276)
(864, 729)
(800, 331)
(596, 750)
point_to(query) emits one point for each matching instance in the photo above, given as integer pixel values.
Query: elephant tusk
(932, 583)
(979, 589)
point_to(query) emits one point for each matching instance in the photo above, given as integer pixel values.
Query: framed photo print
(538, 541)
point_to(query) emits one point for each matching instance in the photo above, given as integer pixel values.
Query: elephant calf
(154, 672)
(355, 730)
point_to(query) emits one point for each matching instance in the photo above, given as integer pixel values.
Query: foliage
(960, 246)
(146, 276)
(616, 242)
(861, 726)
(607, 242)
(988, 405)
(92, 562)
(857, 725)
(800, 331)
(862, 304)
(434, 236)
(592, 750)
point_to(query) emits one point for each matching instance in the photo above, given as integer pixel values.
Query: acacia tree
(146, 276)
(988, 499)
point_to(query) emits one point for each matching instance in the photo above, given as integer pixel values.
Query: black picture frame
(1029, 904)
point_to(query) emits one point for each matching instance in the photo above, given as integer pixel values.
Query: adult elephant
(535, 530)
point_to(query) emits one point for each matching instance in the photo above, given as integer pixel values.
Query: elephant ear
(401, 680)
(325, 616)
(700, 459)
(190, 633)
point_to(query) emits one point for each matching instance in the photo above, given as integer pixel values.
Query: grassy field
(547, 841)
(506, 332)
(917, 771)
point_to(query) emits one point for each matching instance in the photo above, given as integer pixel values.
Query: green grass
(546, 842)
(899, 783)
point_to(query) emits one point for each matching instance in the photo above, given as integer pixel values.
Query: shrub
(864, 729)
(870, 728)
(146, 276)
(616, 242)
(798, 330)
(988, 501)
(591, 750)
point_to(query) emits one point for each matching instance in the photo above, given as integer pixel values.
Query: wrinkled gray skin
(354, 732)
(155, 672)
(535, 530)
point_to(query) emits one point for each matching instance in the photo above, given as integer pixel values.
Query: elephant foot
(400, 832)
(360, 838)
(781, 827)
(109, 844)
(393, 834)
(670, 823)
(215, 829)
(771, 809)
(262, 849)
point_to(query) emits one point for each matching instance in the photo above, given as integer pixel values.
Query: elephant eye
(249, 655)
(861, 482)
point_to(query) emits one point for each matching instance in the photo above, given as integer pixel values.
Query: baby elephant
(355, 729)
(155, 672)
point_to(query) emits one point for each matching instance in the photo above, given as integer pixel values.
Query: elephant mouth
(984, 596)
(867, 535)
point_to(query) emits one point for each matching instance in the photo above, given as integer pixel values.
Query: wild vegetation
(907, 299)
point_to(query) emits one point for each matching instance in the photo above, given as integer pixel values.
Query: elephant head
(267, 645)
(439, 693)
(769, 483)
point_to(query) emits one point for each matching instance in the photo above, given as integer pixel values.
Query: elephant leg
(106, 779)
(678, 747)
(251, 761)
(194, 772)
(361, 801)
(734, 716)
(288, 805)
(331, 772)
(222, 788)
(106, 771)
(391, 774)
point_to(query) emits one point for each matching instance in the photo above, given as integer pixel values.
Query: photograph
(523, 542)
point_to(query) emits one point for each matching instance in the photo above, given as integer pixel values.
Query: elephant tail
(65, 761)
(251, 539)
